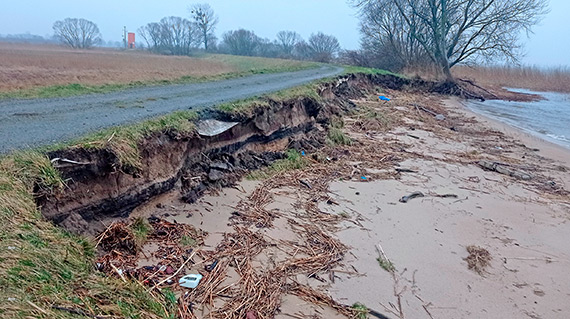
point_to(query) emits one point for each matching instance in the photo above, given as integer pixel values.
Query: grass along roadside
(245, 106)
(241, 66)
(351, 69)
(124, 140)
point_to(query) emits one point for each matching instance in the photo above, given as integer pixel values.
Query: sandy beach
(339, 228)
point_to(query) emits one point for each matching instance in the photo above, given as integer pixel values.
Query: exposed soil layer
(99, 190)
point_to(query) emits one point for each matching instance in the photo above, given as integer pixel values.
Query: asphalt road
(36, 122)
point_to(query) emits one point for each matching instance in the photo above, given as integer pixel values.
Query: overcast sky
(548, 46)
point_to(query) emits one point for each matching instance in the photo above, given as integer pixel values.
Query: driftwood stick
(175, 273)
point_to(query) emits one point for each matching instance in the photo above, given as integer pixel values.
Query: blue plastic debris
(383, 98)
(363, 177)
(302, 153)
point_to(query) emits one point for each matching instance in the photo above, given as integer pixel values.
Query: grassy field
(53, 71)
(533, 78)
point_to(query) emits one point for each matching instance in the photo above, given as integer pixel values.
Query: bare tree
(386, 39)
(77, 33)
(456, 31)
(204, 17)
(286, 40)
(172, 35)
(241, 42)
(323, 47)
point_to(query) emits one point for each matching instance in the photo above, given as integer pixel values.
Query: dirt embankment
(98, 189)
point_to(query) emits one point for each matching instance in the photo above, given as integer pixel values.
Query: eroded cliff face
(99, 189)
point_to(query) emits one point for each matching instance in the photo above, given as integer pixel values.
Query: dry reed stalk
(318, 298)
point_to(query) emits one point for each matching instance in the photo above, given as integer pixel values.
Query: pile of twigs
(121, 251)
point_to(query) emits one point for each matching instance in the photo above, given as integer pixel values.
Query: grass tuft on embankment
(43, 266)
(293, 160)
(246, 106)
(124, 140)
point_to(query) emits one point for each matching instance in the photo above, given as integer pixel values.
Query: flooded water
(548, 118)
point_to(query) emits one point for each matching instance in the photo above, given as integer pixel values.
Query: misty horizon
(337, 18)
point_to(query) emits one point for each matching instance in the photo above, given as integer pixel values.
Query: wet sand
(524, 225)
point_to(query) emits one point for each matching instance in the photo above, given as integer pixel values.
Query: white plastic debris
(190, 281)
(213, 127)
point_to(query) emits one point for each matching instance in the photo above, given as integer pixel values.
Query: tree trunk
(447, 72)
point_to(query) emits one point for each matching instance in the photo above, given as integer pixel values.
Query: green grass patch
(350, 69)
(124, 140)
(386, 264)
(294, 160)
(361, 310)
(243, 106)
(247, 106)
(188, 241)
(141, 229)
(245, 65)
(336, 136)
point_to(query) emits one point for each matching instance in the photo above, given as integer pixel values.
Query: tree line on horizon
(174, 35)
(395, 34)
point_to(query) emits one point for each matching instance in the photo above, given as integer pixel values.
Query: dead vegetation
(121, 246)
(526, 77)
(478, 260)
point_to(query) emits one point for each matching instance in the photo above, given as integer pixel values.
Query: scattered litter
(213, 127)
(413, 195)
(190, 281)
(250, 315)
(363, 178)
(11, 299)
(413, 136)
(446, 195)
(502, 169)
(11, 247)
(440, 117)
(383, 98)
(211, 266)
(302, 153)
(305, 183)
(405, 170)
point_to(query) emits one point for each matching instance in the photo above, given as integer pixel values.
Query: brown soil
(27, 66)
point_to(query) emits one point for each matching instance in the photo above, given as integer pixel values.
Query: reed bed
(525, 77)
